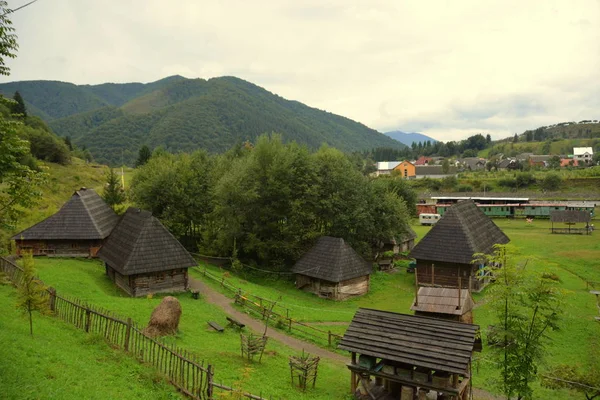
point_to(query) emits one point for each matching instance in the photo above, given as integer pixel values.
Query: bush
(524, 179)
(464, 188)
(507, 182)
(449, 182)
(551, 182)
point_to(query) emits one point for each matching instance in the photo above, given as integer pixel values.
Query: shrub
(551, 182)
(464, 188)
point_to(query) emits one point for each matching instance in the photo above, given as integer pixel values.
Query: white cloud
(442, 68)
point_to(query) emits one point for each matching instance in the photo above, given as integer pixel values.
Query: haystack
(165, 318)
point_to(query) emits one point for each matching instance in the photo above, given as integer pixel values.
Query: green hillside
(114, 120)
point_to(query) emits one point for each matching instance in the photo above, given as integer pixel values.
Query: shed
(445, 303)
(142, 257)
(445, 253)
(78, 229)
(408, 353)
(332, 269)
(571, 218)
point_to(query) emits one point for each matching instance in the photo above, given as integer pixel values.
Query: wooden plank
(216, 326)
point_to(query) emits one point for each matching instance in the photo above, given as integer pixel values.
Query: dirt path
(224, 302)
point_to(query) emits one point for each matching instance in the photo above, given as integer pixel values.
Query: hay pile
(165, 318)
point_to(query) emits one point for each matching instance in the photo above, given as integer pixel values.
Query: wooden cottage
(78, 229)
(402, 243)
(453, 304)
(404, 356)
(571, 218)
(445, 253)
(142, 257)
(332, 269)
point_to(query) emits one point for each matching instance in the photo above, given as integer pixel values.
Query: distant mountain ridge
(409, 138)
(114, 120)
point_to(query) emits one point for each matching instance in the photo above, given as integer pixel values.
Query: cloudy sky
(448, 69)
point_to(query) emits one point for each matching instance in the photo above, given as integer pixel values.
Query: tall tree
(31, 293)
(113, 193)
(488, 139)
(526, 307)
(19, 105)
(68, 143)
(143, 156)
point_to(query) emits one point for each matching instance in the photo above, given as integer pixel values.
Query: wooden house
(571, 218)
(142, 257)
(78, 229)
(406, 169)
(445, 253)
(332, 269)
(453, 304)
(402, 243)
(401, 356)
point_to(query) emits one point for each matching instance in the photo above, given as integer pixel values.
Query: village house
(78, 229)
(540, 161)
(568, 162)
(444, 256)
(406, 169)
(333, 270)
(424, 161)
(408, 356)
(433, 171)
(386, 167)
(472, 163)
(584, 155)
(142, 257)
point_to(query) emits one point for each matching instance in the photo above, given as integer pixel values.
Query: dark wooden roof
(85, 216)
(140, 244)
(331, 259)
(421, 341)
(570, 216)
(462, 231)
(443, 300)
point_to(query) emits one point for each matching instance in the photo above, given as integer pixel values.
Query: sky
(448, 69)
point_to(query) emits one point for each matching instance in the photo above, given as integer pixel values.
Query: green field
(575, 259)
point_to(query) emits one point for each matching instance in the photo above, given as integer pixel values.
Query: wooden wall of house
(447, 274)
(466, 318)
(332, 290)
(122, 281)
(64, 248)
(175, 280)
(407, 245)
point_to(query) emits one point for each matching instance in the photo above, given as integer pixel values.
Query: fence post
(87, 319)
(209, 386)
(52, 300)
(223, 281)
(329, 338)
(127, 334)
(290, 324)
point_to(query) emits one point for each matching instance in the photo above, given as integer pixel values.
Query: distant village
(441, 167)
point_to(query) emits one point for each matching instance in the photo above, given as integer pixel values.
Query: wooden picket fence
(183, 369)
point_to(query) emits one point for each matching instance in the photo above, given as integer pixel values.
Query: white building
(386, 167)
(583, 154)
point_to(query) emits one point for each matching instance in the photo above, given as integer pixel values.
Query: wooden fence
(263, 308)
(183, 369)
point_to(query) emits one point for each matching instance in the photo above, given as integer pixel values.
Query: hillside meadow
(574, 259)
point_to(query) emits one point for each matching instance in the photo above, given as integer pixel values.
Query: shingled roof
(443, 300)
(570, 216)
(462, 231)
(141, 244)
(421, 341)
(331, 259)
(85, 216)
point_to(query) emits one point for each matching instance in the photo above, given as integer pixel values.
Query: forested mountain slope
(114, 120)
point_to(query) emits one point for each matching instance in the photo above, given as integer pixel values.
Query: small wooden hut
(571, 218)
(400, 356)
(332, 269)
(142, 257)
(445, 253)
(453, 304)
(78, 229)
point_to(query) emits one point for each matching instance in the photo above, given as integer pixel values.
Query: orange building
(406, 169)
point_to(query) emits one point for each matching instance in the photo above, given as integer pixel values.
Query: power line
(18, 8)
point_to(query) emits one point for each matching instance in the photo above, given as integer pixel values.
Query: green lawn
(61, 362)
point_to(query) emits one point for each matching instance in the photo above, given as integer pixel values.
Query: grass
(85, 279)
(59, 362)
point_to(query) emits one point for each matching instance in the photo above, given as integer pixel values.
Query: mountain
(409, 138)
(114, 120)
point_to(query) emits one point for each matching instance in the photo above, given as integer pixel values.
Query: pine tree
(143, 156)
(113, 193)
(19, 106)
(31, 294)
(68, 143)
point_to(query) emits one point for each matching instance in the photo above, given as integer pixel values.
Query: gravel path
(224, 302)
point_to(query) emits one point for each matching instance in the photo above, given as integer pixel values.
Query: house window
(159, 277)
(405, 172)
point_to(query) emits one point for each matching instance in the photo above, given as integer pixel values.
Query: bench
(235, 323)
(215, 326)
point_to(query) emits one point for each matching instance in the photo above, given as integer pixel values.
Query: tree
(68, 143)
(526, 306)
(8, 40)
(31, 293)
(19, 105)
(113, 194)
(516, 138)
(445, 166)
(143, 156)
(488, 139)
(554, 162)
(551, 182)
(568, 376)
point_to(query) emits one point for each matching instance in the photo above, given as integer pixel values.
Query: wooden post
(416, 288)
(459, 291)
(433, 274)
(209, 379)
(329, 338)
(127, 334)
(52, 299)
(87, 319)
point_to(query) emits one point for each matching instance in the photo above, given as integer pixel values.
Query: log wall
(63, 248)
(332, 290)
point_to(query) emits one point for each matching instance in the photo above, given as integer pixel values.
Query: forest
(266, 203)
